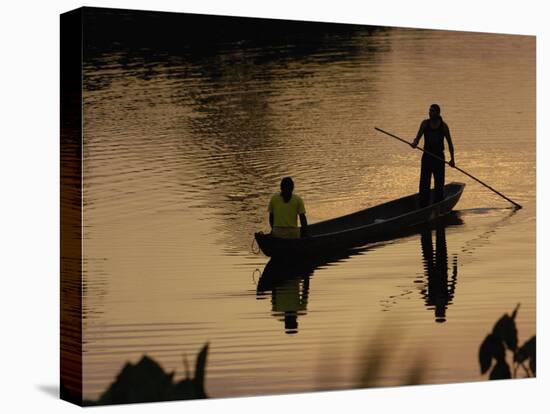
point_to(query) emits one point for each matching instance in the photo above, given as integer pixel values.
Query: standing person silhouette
(284, 208)
(434, 130)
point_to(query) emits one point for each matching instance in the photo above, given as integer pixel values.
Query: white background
(29, 231)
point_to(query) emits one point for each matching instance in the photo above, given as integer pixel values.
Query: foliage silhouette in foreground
(146, 381)
(503, 340)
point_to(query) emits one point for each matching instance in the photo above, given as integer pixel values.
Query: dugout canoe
(382, 222)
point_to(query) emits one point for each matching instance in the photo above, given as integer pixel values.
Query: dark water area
(189, 124)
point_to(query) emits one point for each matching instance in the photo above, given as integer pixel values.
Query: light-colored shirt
(286, 214)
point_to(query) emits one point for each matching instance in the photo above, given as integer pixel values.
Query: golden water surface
(183, 150)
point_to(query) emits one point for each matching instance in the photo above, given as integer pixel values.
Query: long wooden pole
(459, 169)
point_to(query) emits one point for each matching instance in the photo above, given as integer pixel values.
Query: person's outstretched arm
(418, 135)
(451, 147)
(303, 223)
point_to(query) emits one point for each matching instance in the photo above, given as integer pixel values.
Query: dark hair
(437, 109)
(287, 185)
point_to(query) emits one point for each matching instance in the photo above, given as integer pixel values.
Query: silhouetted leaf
(500, 371)
(505, 330)
(200, 367)
(485, 354)
(528, 350)
(515, 312)
(146, 381)
(489, 349)
(533, 364)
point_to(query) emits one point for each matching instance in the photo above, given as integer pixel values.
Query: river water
(184, 147)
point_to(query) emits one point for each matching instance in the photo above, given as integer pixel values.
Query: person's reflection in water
(289, 286)
(290, 300)
(439, 291)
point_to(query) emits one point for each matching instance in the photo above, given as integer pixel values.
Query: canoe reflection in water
(288, 280)
(439, 290)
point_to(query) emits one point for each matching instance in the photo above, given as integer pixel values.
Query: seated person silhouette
(284, 208)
